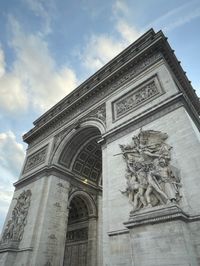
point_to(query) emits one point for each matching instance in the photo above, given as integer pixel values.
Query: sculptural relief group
(151, 179)
(15, 226)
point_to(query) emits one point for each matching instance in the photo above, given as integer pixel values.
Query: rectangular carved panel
(139, 95)
(36, 159)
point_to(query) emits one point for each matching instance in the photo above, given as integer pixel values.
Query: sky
(49, 47)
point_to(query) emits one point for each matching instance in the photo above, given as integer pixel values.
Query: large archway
(82, 157)
(79, 232)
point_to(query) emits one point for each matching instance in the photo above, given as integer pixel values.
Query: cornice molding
(159, 214)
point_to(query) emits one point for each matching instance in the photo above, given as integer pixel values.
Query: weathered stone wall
(185, 156)
(45, 230)
(148, 91)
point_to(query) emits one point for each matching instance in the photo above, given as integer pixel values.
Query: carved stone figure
(168, 180)
(150, 178)
(15, 226)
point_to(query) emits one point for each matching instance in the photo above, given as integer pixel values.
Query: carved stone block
(151, 179)
(14, 230)
(157, 214)
(145, 92)
(35, 159)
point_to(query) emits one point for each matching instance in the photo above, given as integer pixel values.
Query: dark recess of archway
(78, 210)
(76, 246)
(83, 156)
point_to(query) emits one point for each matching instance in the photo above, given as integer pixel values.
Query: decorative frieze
(143, 93)
(13, 232)
(36, 159)
(151, 178)
(158, 214)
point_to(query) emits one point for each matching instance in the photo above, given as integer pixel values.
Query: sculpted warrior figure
(15, 226)
(154, 186)
(137, 185)
(150, 179)
(168, 181)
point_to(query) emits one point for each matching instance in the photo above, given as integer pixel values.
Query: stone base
(160, 236)
(157, 214)
(9, 245)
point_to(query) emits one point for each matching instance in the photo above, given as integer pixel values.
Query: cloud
(183, 19)
(128, 33)
(5, 199)
(102, 48)
(37, 70)
(2, 63)
(13, 96)
(99, 50)
(120, 6)
(44, 10)
(34, 80)
(11, 159)
(11, 153)
(177, 17)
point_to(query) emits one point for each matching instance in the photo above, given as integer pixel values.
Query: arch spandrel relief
(13, 232)
(151, 178)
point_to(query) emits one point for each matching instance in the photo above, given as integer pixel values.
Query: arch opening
(76, 245)
(82, 155)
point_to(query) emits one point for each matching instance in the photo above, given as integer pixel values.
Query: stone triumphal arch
(111, 174)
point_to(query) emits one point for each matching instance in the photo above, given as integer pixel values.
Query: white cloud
(37, 70)
(99, 50)
(11, 153)
(11, 158)
(189, 16)
(2, 63)
(42, 9)
(102, 48)
(120, 7)
(177, 17)
(5, 199)
(128, 33)
(6, 194)
(34, 80)
(13, 96)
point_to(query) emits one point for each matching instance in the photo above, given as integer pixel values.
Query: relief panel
(150, 176)
(145, 92)
(14, 230)
(36, 159)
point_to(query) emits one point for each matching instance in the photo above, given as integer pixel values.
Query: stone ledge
(2, 250)
(12, 246)
(159, 214)
(9, 244)
(118, 232)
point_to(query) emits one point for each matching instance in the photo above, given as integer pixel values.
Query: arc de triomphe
(111, 175)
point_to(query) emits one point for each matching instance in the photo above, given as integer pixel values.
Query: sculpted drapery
(151, 179)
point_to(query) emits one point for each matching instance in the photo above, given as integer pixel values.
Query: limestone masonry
(112, 171)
